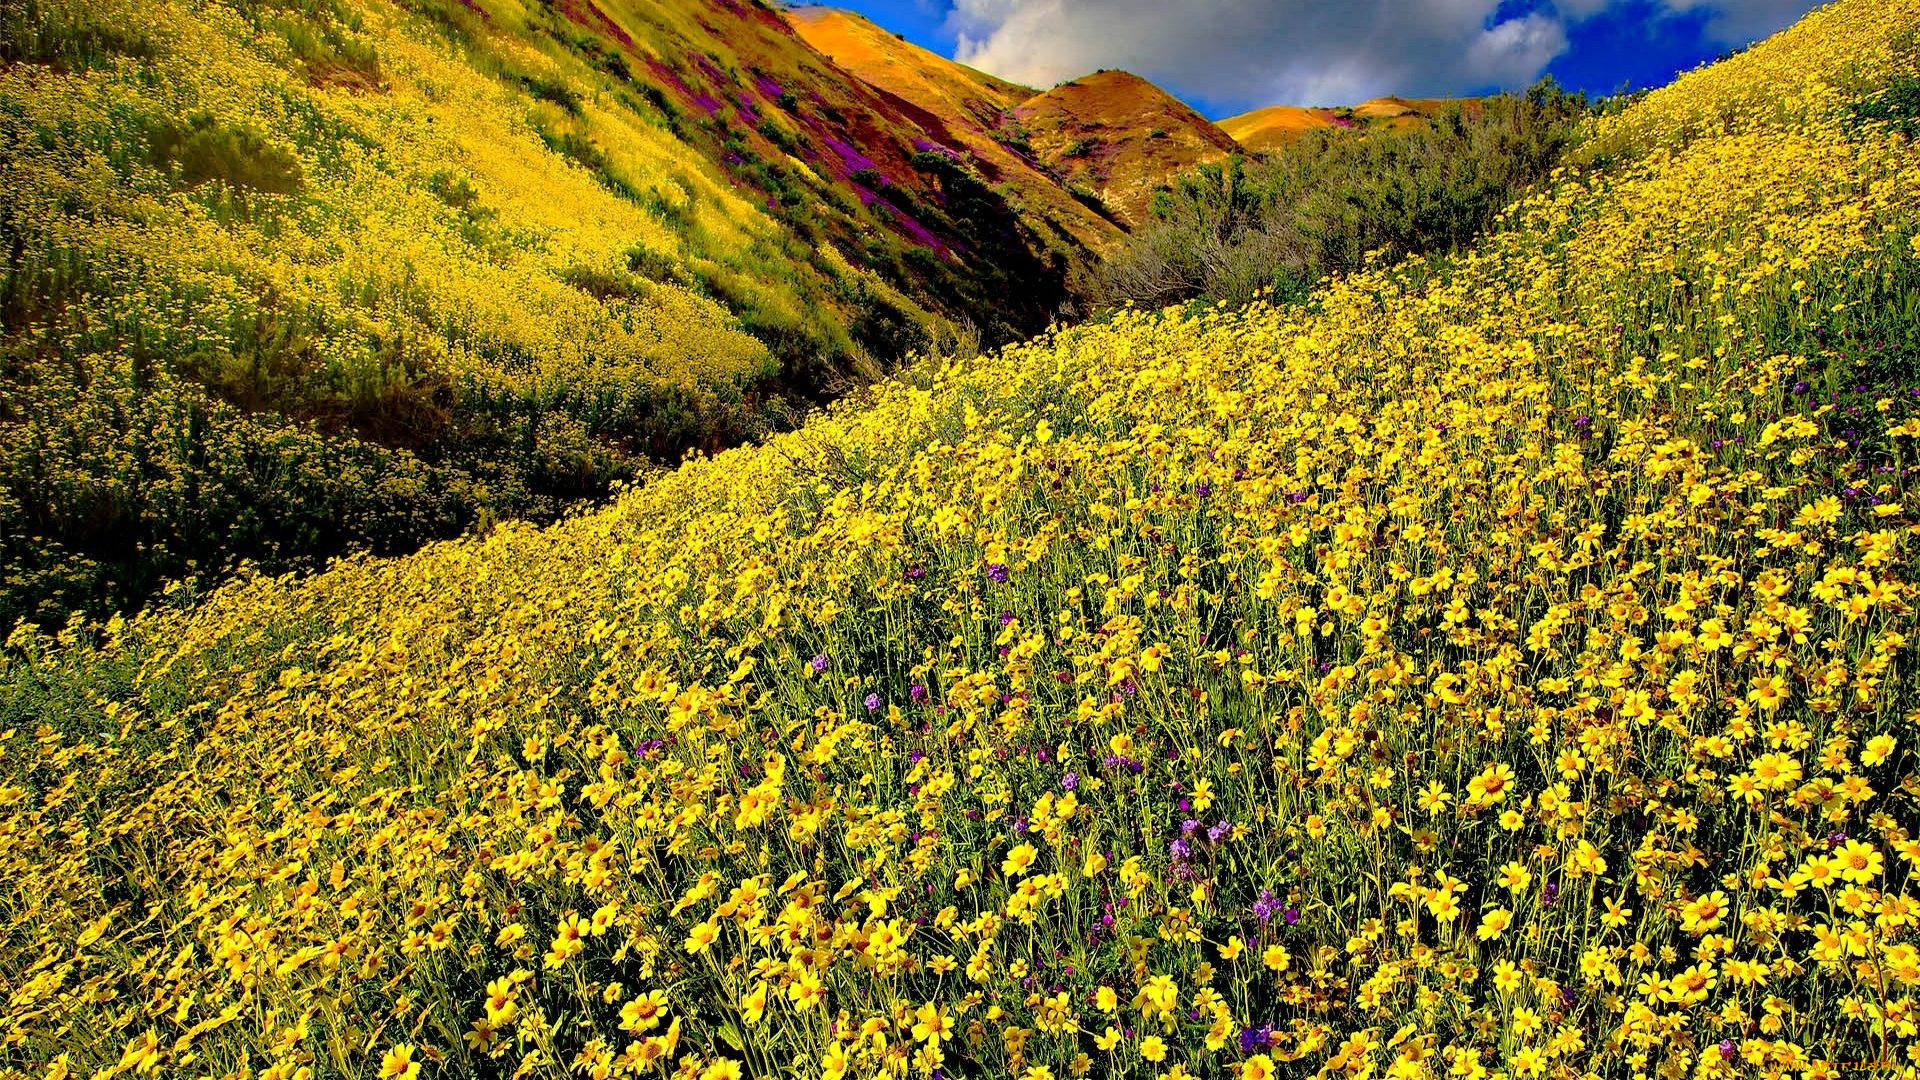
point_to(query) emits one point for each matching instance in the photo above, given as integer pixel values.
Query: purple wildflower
(820, 662)
(997, 573)
(873, 702)
(1265, 906)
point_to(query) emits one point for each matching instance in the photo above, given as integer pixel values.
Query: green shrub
(1231, 230)
(67, 34)
(205, 150)
(1895, 107)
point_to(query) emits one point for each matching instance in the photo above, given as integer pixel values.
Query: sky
(1228, 56)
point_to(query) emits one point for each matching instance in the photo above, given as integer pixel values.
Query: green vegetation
(1896, 107)
(1285, 222)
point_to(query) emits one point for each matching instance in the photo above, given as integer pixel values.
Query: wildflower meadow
(1495, 665)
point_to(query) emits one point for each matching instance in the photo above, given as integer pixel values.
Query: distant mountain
(1084, 158)
(1277, 126)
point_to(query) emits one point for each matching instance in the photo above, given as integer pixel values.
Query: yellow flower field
(1496, 666)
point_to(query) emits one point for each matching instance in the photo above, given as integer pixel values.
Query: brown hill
(1277, 126)
(1119, 136)
(1396, 108)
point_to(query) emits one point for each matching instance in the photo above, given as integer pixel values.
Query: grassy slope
(288, 276)
(1599, 532)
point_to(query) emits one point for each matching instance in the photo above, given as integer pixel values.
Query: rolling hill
(1118, 136)
(1498, 664)
(1276, 127)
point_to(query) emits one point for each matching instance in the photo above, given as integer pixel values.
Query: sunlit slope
(1119, 136)
(283, 278)
(898, 66)
(976, 108)
(1399, 108)
(1277, 126)
(1491, 666)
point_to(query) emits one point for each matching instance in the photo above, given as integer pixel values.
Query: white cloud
(1304, 52)
(1312, 52)
(1736, 22)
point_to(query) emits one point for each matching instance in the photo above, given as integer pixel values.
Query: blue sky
(1226, 56)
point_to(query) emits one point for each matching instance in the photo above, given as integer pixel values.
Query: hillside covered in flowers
(1497, 666)
(287, 278)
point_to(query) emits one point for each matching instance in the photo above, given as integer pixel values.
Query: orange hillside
(1389, 108)
(904, 69)
(1276, 125)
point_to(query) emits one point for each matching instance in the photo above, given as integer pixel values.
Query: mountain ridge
(978, 109)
